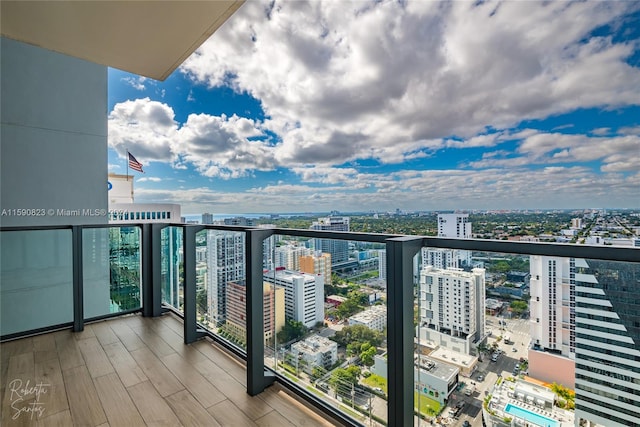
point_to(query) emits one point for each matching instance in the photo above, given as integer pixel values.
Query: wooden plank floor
(135, 371)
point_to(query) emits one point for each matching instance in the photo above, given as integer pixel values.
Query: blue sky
(371, 106)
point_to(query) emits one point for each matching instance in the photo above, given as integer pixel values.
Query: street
(518, 331)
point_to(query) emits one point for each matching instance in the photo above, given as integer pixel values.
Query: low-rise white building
(374, 318)
(432, 379)
(316, 351)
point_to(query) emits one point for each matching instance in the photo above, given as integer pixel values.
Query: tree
(358, 334)
(292, 330)
(348, 308)
(367, 352)
(317, 372)
(344, 378)
(360, 298)
(519, 307)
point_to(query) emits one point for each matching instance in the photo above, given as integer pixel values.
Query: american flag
(134, 164)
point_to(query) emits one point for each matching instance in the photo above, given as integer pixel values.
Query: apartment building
(316, 351)
(374, 317)
(339, 249)
(303, 295)
(552, 319)
(318, 263)
(451, 308)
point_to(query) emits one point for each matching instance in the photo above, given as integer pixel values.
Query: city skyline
(418, 105)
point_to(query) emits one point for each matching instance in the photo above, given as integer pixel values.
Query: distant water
(217, 217)
(221, 216)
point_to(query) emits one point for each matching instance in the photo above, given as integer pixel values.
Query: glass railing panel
(36, 272)
(525, 335)
(329, 320)
(111, 270)
(172, 267)
(451, 361)
(221, 279)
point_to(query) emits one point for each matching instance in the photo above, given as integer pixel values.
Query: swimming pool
(531, 417)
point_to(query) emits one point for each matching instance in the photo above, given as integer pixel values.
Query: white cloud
(384, 80)
(344, 82)
(135, 82)
(146, 128)
(519, 188)
(326, 175)
(629, 130)
(216, 145)
(149, 178)
(552, 148)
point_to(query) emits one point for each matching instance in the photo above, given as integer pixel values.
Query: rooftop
(532, 401)
(437, 369)
(453, 357)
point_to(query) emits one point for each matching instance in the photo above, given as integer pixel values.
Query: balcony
(122, 329)
(132, 371)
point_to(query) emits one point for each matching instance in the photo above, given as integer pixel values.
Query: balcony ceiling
(149, 38)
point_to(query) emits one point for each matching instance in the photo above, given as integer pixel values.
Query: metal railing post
(257, 378)
(191, 332)
(151, 270)
(400, 329)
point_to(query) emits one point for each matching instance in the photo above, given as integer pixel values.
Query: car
(466, 424)
(513, 349)
(480, 378)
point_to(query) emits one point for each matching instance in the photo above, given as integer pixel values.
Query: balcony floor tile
(133, 371)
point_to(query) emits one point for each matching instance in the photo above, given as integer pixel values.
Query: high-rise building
(236, 309)
(318, 263)
(269, 248)
(303, 295)
(576, 223)
(585, 327)
(339, 249)
(451, 308)
(441, 258)
(207, 218)
(288, 256)
(552, 319)
(240, 220)
(225, 264)
(382, 264)
(123, 210)
(452, 226)
(607, 373)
